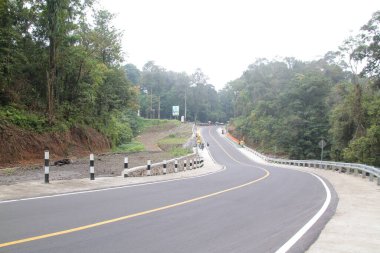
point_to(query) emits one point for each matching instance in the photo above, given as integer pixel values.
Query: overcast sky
(224, 37)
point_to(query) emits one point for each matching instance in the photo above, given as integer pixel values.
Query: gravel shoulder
(38, 188)
(106, 164)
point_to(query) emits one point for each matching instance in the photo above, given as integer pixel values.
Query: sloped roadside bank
(106, 164)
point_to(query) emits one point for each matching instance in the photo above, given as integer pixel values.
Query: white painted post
(125, 166)
(148, 168)
(92, 169)
(46, 166)
(184, 165)
(175, 166)
(164, 170)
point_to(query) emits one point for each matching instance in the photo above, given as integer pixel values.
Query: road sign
(322, 143)
(175, 110)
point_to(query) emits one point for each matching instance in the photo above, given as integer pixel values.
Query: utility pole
(151, 103)
(185, 103)
(159, 107)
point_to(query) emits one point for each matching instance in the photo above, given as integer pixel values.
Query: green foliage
(157, 123)
(133, 146)
(23, 119)
(117, 129)
(172, 140)
(177, 151)
(173, 144)
(282, 106)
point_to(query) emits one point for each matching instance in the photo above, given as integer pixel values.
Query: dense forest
(59, 70)
(286, 107)
(62, 68)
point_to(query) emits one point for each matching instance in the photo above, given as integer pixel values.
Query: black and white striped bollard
(184, 165)
(125, 166)
(46, 166)
(164, 170)
(92, 170)
(148, 168)
(191, 165)
(175, 166)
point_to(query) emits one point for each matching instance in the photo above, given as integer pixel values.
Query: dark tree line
(161, 89)
(63, 68)
(285, 107)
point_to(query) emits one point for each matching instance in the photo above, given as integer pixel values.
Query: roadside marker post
(125, 165)
(47, 166)
(175, 166)
(92, 169)
(148, 168)
(191, 165)
(184, 165)
(164, 170)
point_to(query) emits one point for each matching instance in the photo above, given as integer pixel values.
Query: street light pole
(185, 102)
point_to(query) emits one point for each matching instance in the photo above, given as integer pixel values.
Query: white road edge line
(112, 188)
(290, 243)
(284, 248)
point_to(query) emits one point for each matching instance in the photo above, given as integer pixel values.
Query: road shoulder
(355, 227)
(38, 188)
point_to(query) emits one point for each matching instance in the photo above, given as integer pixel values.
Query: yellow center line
(68, 231)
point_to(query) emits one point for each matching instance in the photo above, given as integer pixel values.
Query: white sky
(223, 37)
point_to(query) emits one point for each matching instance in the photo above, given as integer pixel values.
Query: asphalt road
(245, 208)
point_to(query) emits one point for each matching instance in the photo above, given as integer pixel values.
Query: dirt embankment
(20, 147)
(76, 145)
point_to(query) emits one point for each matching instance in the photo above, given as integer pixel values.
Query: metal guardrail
(349, 168)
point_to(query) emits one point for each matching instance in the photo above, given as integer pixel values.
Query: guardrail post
(378, 180)
(148, 163)
(364, 174)
(184, 165)
(164, 170)
(370, 177)
(92, 169)
(47, 166)
(356, 172)
(125, 166)
(175, 166)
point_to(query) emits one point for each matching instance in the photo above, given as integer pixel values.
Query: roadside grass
(173, 144)
(8, 171)
(133, 146)
(145, 124)
(177, 152)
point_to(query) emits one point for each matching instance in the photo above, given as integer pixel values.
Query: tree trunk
(358, 112)
(52, 8)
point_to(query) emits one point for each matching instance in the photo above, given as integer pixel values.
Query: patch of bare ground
(106, 164)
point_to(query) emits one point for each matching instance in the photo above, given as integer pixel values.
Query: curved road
(246, 208)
